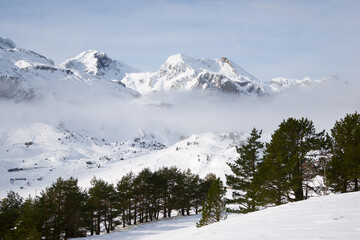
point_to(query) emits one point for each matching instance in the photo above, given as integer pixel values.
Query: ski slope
(326, 218)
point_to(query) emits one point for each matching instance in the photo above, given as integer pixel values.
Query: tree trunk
(92, 225)
(98, 225)
(169, 213)
(356, 185)
(299, 193)
(344, 188)
(123, 217)
(165, 209)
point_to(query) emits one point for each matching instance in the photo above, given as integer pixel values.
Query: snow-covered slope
(98, 64)
(327, 218)
(181, 72)
(25, 75)
(42, 151)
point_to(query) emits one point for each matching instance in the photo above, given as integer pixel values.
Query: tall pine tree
(287, 165)
(10, 210)
(343, 172)
(214, 207)
(244, 170)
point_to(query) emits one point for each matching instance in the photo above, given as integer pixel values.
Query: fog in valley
(118, 118)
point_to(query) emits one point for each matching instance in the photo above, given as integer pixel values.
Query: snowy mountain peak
(227, 61)
(98, 64)
(182, 62)
(176, 58)
(181, 72)
(90, 61)
(6, 43)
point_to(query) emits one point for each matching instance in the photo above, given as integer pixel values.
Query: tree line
(283, 169)
(64, 210)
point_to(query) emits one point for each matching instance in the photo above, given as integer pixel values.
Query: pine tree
(214, 207)
(168, 187)
(244, 170)
(343, 171)
(142, 186)
(102, 198)
(196, 193)
(62, 211)
(125, 196)
(286, 164)
(27, 226)
(10, 209)
(188, 189)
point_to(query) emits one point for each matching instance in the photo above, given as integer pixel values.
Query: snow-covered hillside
(328, 217)
(38, 154)
(181, 72)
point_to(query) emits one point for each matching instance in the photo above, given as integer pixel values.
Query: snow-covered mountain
(281, 84)
(25, 75)
(98, 64)
(181, 72)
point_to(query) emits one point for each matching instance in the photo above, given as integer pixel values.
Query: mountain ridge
(180, 72)
(26, 75)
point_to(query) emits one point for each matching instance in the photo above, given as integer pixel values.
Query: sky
(269, 39)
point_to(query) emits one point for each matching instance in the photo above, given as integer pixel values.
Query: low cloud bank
(118, 119)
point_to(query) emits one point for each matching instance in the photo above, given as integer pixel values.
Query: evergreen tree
(343, 172)
(155, 195)
(188, 188)
(27, 226)
(102, 199)
(125, 197)
(168, 182)
(287, 166)
(62, 212)
(214, 206)
(142, 186)
(10, 209)
(244, 170)
(197, 197)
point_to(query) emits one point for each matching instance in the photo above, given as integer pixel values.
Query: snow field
(322, 218)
